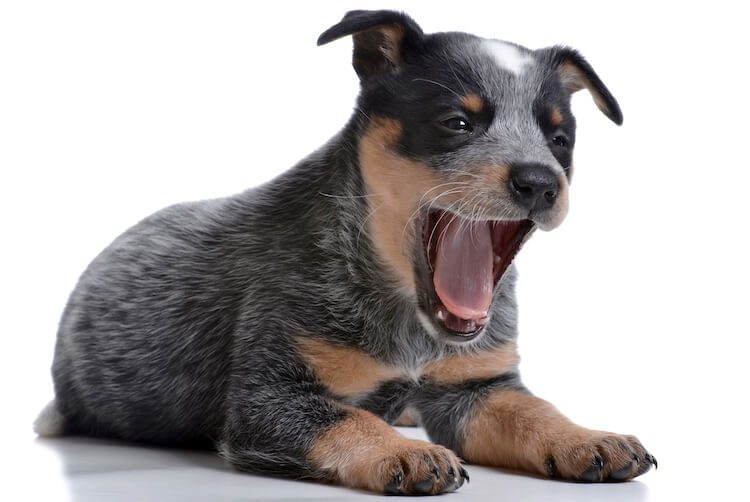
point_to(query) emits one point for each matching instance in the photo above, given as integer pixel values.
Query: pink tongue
(463, 268)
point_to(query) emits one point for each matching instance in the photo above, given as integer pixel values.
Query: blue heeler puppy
(372, 283)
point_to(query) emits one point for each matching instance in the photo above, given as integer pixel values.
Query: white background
(633, 313)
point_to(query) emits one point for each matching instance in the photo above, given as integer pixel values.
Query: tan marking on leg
(396, 187)
(516, 430)
(556, 117)
(510, 429)
(473, 103)
(459, 368)
(345, 371)
(348, 449)
(362, 451)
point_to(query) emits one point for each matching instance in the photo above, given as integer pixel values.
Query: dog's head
(467, 149)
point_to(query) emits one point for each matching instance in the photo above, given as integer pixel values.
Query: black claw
(623, 473)
(550, 467)
(394, 487)
(424, 486)
(458, 482)
(593, 473)
(644, 467)
(392, 490)
(453, 482)
(465, 475)
(433, 468)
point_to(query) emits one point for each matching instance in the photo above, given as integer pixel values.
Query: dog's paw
(364, 452)
(414, 467)
(593, 456)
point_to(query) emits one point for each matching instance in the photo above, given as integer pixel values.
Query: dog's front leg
(511, 428)
(503, 425)
(281, 421)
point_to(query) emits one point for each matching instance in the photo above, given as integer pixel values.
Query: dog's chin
(461, 263)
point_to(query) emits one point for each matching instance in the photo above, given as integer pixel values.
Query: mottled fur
(190, 328)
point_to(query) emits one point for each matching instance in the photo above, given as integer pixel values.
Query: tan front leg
(516, 430)
(362, 451)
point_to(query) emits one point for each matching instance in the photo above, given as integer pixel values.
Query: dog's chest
(357, 378)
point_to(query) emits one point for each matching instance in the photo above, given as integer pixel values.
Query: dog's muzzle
(534, 186)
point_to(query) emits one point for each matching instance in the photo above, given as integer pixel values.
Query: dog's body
(286, 325)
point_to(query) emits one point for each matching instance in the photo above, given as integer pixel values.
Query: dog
(291, 325)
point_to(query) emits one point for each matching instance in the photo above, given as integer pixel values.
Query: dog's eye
(458, 124)
(560, 141)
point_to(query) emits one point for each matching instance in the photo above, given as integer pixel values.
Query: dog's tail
(50, 421)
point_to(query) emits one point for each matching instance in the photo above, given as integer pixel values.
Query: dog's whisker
(365, 196)
(417, 211)
(420, 204)
(362, 112)
(448, 210)
(437, 187)
(450, 67)
(438, 84)
(364, 222)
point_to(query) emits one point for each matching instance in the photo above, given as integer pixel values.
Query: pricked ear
(380, 39)
(576, 73)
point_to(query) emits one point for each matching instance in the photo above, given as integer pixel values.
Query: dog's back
(144, 345)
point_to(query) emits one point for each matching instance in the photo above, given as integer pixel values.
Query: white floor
(82, 469)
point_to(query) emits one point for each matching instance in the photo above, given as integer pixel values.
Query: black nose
(534, 186)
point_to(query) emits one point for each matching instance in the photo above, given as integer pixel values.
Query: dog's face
(468, 149)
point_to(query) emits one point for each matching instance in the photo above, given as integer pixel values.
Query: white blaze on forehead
(507, 56)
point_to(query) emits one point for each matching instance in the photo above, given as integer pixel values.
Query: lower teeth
(441, 314)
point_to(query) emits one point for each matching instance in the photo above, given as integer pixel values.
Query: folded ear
(576, 73)
(380, 39)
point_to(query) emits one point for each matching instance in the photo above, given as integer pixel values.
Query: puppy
(288, 326)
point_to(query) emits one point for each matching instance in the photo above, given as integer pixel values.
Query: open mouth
(466, 259)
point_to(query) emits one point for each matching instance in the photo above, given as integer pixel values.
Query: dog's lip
(441, 317)
(461, 337)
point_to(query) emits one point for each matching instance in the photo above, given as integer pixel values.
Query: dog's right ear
(381, 37)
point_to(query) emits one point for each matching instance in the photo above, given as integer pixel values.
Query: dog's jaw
(459, 268)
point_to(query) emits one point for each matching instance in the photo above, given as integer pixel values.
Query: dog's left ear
(381, 38)
(576, 73)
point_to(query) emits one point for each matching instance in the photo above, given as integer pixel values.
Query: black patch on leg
(443, 406)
